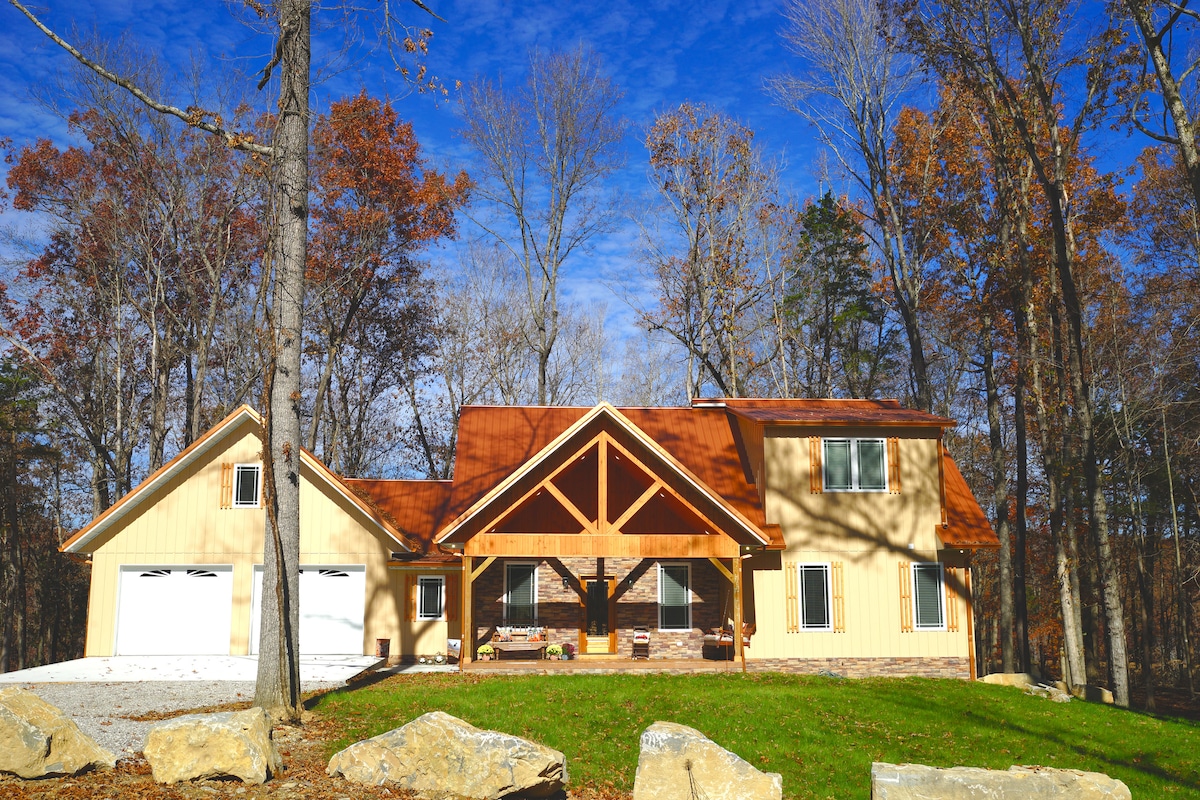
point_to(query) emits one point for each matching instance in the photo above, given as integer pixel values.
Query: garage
(170, 610)
(332, 599)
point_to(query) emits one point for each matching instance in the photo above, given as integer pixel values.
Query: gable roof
(795, 411)
(966, 524)
(498, 446)
(197, 451)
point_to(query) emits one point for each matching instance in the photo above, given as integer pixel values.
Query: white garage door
(174, 610)
(331, 609)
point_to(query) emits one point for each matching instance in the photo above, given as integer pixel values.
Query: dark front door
(597, 608)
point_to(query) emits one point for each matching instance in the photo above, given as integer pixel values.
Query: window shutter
(893, 449)
(227, 486)
(814, 466)
(906, 625)
(410, 594)
(453, 597)
(839, 599)
(792, 613)
(951, 605)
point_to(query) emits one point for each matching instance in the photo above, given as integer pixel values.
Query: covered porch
(600, 535)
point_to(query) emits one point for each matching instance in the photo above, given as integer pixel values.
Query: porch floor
(599, 665)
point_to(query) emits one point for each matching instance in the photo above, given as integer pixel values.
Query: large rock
(440, 757)
(229, 744)
(1018, 679)
(38, 740)
(680, 763)
(916, 782)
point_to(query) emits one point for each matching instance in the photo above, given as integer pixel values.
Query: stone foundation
(947, 667)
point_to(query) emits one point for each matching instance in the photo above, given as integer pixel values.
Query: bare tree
(855, 80)
(543, 150)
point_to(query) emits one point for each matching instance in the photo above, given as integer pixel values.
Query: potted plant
(485, 652)
(554, 652)
(568, 651)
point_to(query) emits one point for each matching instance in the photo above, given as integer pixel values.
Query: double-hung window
(430, 597)
(674, 597)
(929, 594)
(247, 482)
(855, 465)
(520, 593)
(816, 613)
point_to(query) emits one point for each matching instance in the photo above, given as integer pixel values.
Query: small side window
(928, 597)
(247, 484)
(430, 597)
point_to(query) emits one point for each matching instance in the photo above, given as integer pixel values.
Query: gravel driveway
(100, 708)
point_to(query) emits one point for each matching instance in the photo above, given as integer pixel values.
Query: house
(835, 533)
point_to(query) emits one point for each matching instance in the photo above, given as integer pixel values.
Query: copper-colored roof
(494, 441)
(826, 412)
(417, 508)
(966, 524)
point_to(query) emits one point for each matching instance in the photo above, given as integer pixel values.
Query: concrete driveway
(120, 669)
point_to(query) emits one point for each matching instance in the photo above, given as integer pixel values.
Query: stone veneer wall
(942, 667)
(560, 611)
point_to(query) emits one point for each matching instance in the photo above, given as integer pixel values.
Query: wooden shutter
(792, 613)
(453, 597)
(410, 598)
(815, 481)
(227, 486)
(950, 578)
(838, 597)
(893, 454)
(906, 621)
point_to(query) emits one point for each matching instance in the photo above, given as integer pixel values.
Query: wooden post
(739, 650)
(467, 653)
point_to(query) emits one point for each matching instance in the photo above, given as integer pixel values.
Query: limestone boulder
(440, 757)
(229, 744)
(1052, 693)
(1018, 679)
(679, 763)
(916, 782)
(37, 740)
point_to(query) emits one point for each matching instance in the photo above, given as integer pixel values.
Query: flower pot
(553, 658)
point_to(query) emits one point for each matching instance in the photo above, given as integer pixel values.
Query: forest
(971, 252)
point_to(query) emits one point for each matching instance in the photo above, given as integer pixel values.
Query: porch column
(738, 647)
(467, 653)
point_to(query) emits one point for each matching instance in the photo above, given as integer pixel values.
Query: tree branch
(194, 117)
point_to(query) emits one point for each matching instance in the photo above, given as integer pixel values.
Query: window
(815, 611)
(520, 593)
(674, 597)
(430, 597)
(247, 478)
(855, 465)
(928, 594)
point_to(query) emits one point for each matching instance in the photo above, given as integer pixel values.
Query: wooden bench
(519, 639)
(724, 636)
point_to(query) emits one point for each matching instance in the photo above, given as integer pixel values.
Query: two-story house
(834, 533)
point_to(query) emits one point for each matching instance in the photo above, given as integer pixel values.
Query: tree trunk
(999, 495)
(278, 684)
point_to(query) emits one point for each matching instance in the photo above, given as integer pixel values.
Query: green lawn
(822, 734)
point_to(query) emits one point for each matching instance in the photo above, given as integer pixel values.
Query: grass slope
(821, 734)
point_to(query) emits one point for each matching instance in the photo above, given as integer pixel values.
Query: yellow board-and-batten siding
(182, 524)
(869, 534)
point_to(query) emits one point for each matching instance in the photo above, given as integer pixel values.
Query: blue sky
(660, 52)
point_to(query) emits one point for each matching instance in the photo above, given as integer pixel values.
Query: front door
(599, 627)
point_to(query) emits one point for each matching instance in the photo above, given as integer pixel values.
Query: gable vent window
(855, 465)
(247, 483)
